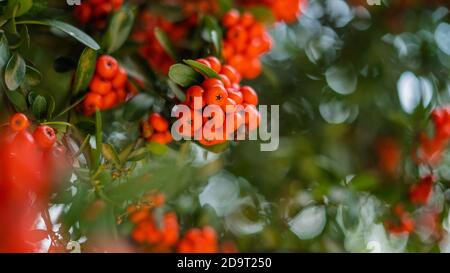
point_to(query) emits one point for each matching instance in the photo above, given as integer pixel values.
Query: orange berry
(92, 102)
(120, 79)
(216, 95)
(161, 138)
(109, 101)
(45, 137)
(211, 82)
(225, 80)
(18, 122)
(195, 92)
(254, 69)
(230, 18)
(249, 95)
(100, 86)
(246, 19)
(158, 122)
(214, 63)
(107, 67)
(235, 95)
(231, 73)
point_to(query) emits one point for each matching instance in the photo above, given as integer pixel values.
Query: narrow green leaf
(51, 106)
(184, 75)
(203, 69)
(119, 29)
(76, 33)
(98, 136)
(165, 42)
(85, 70)
(212, 32)
(39, 106)
(32, 77)
(110, 154)
(15, 72)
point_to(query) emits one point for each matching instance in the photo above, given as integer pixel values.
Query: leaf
(72, 31)
(184, 75)
(23, 6)
(165, 42)
(39, 106)
(110, 153)
(118, 30)
(98, 137)
(203, 69)
(217, 148)
(4, 52)
(176, 90)
(263, 14)
(138, 107)
(32, 77)
(51, 106)
(212, 33)
(157, 148)
(138, 154)
(17, 99)
(15, 72)
(85, 69)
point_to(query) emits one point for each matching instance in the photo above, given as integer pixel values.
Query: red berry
(216, 95)
(107, 67)
(249, 95)
(230, 18)
(214, 63)
(231, 73)
(195, 92)
(211, 82)
(120, 80)
(45, 137)
(18, 122)
(235, 95)
(100, 86)
(158, 122)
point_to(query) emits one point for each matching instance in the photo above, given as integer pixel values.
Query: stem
(70, 107)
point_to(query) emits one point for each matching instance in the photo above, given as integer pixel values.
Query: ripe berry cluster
(431, 149)
(164, 235)
(29, 163)
(244, 42)
(156, 129)
(226, 98)
(96, 12)
(282, 10)
(403, 224)
(150, 48)
(108, 87)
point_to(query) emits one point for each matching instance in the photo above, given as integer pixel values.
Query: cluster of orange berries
(29, 163)
(245, 41)
(96, 12)
(164, 236)
(282, 10)
(108, 88)
(431, 149)
(404, 224)
(193, 7)
(156, 129)
(150, 48)
(226, 98)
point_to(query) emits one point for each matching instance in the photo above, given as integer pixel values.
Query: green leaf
(39, 106)
(184, 75)
(85, 69)
(212, 32)
(110, 154)
(98, 137)
(4, 52)
(17, 99)
(217, 148)
(165, 42)
(176, 90)
(23, 6)
(157, 148)
(15, 72)
(76, 33)
(203, 69)
(138, 107)
(263, 14)
(138, 154)
(51, 106)
(118, 30)
(32, 77)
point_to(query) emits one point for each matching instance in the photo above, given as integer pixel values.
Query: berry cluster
(431, 148)
(198, 240)
(404, 223)
(282, 10)
(150, 48)
(421, 192)
(29, 163)
(244, 42)
(156, 129)
(96, 12)
(108, 88)
(163, 235)
(227, 100)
